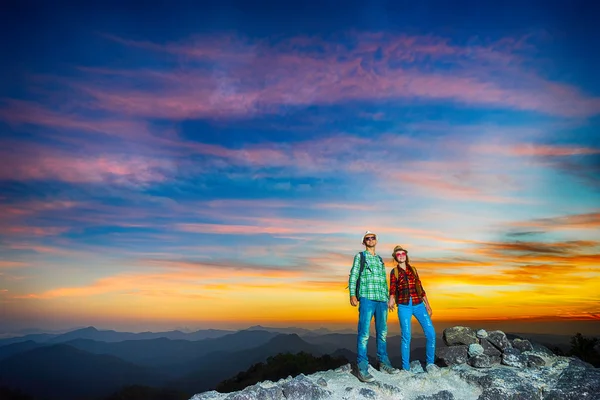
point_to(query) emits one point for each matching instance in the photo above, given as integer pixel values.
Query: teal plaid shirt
(373, 281)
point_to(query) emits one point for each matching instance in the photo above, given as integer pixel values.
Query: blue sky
(181, 151)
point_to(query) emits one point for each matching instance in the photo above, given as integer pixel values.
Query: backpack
(363, 262)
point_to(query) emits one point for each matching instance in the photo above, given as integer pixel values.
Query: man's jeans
(405, 314)
(366, 310)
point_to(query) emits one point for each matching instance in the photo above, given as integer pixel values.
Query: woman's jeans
(405, 313)
(366, 310)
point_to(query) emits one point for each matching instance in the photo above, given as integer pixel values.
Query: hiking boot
(383, 367)
(364, 376)
(432, 368)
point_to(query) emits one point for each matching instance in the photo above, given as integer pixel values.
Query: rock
(367, 393)
(495, 359)
(210, 395)
(489, 349)
(576, 382)
(499, 340)
(522, 345)
(512, 351)
(482, 334)
(480, 361)
(500, 383)
(443, 395)
(512, 360)
(416, 367)
(542, 350)
(533, 360)
(459, 335)
(387, 389)
(322, 382)
(496, 393)
(475, 349)
(257, 392)
(453, 355)
(344, 368)
(302, 388)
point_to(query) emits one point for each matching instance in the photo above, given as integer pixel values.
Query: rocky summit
(491, 367)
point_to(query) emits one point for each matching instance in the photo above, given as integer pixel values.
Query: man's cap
(367, 233)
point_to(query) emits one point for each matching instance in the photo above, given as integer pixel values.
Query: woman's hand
(429, 310)
(392, 304)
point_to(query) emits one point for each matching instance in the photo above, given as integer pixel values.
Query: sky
(199, 165)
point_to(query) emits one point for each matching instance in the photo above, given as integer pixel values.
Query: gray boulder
(533, 360)
(475, 349)
(367, 393)
(256, 392)
(453, 355)
(515, 360)
(442, 395)
(577, 381)
(522, 345)
(459, 335)
(499, 340)
(489, 349)
(480, 361)
(482, 334)
(302, 388)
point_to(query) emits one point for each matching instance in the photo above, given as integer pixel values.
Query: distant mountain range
(90, 363)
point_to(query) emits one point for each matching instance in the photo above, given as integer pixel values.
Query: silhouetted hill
(218, 366)
(16, 348)
(175, 357)
(35, 337)
(62, 372)
(114, 336)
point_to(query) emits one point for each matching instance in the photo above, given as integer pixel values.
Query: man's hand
(392, 304)
(353, 301)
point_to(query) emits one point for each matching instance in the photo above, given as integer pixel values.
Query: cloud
(48, 164)
(564, 222)
(229, 76)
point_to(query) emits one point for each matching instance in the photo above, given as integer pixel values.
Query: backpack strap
(362, 268)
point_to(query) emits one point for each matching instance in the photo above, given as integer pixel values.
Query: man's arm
(354, 272)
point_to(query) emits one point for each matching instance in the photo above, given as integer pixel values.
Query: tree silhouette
(585, 349)
(280, 366)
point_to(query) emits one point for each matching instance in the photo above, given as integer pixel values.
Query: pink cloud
(259, 77)
(46, 163)
(534, 150)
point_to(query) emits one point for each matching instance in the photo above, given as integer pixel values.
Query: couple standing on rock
(368, 287)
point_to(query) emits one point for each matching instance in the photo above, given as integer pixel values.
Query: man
(373, 298)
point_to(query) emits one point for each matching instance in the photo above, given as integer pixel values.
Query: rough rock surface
(499, 339)
(561, 378)
(452, 355)
(510, 374)
(475, 349)
(522, 345)
(459, 335)
(489, 349)
(480, 361)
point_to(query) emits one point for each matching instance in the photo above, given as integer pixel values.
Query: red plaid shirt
(405, 287)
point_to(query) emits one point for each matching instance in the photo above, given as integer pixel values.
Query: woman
(407, 292)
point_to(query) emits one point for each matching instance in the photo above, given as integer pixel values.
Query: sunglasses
(401, 253)
(371, 238)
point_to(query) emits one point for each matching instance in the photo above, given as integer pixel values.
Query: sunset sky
(187, 166)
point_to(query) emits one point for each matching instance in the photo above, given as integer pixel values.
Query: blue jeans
(405, 314)
(367, 309)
